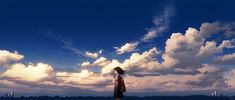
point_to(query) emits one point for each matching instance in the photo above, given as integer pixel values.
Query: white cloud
(6, 57)
(128, 47)
(31, 73)
(102, 61)
(184, 65)
(180, 50)
(136, 63)
(91, 55)
(142, 62)
(84, 79)
(107, 69)
(86, 64)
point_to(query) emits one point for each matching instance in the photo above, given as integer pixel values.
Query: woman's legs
(117, 98)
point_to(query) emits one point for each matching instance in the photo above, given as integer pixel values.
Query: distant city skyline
(69, 48)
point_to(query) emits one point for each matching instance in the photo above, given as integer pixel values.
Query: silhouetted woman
(119, 86)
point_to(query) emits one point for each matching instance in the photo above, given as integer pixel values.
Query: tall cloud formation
(190, 62)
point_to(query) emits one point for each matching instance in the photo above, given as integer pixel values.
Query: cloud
(187, 63)
(142, 62)
(180, 50)
(84, 79)
(185, 66)
(91, 55)
(108, 69)
(228, 59)
(151, 34)
(7, 57)
(207, 29)
(136, 63)
(30, 73)
(231, 78)
(161, 23)
(210, 48)
(128, 47)
(191, 50)
(85, 64)
(102, 61)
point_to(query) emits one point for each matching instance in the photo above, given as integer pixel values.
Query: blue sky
(46, 31)
(95, 25)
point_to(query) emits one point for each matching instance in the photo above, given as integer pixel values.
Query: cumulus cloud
(128, 47)
(136, 63)
(142, 62)
(31, 72)
(6, 57)
(107, 69)
(180, 50)
(190, 62)
(102, 61)
(84, 79)
(210, 48)
(185, 66)
(188, 51)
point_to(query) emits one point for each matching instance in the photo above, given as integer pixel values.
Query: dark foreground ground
(126, 98)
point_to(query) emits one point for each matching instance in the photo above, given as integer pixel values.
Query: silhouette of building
(214, 93)
(11, 94)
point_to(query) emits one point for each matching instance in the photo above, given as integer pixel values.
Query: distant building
(214, 93)
(6, 94)
(11, 94)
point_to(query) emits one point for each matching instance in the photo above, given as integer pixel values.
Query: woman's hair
(119, 70)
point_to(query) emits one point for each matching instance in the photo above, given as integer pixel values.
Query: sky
(70, 47)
